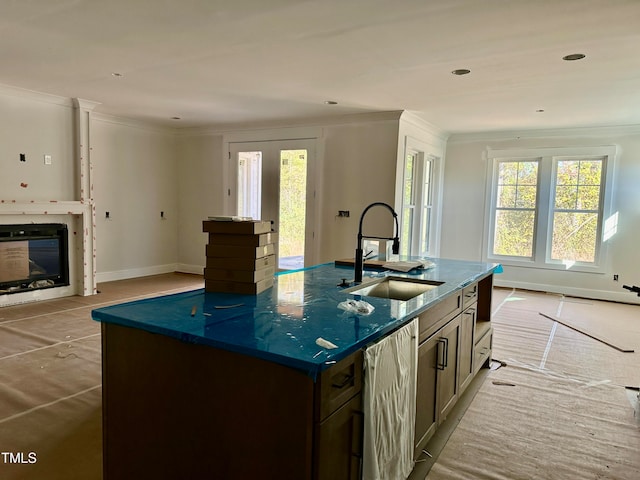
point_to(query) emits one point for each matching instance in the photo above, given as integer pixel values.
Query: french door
(270, 181)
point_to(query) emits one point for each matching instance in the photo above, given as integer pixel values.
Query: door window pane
(250, 185)
(292, 216)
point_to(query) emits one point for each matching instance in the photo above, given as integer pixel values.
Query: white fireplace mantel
(78, 214)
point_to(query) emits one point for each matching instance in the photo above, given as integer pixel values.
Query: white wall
(464, 209)
(36, 126)
(200, 187)
(358, 169)
(140, 171)
(135, 171)
(355, 165)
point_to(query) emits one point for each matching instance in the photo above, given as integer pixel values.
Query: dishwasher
(390, 377)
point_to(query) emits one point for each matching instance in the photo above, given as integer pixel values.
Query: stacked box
(240, 256)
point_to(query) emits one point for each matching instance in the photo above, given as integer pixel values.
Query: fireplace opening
(33, 256)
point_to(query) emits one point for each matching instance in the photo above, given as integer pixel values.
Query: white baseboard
(186, 268)
(622, 296)
(135, 272)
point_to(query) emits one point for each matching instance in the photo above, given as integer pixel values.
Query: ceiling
(223, 63)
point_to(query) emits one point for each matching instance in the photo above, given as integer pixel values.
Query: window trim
(421, 200)
(543, 227)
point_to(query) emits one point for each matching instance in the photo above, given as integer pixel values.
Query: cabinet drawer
(438, 315)
(338, 384)
(482, 351)
(469, 295)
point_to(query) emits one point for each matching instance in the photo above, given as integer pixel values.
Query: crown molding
(577, 132)
(9, 91)
(415, 120)
(329, 121)
(129, 122)
(85, 104)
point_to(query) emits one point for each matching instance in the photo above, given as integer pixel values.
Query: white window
(417, 204)
(549, 208)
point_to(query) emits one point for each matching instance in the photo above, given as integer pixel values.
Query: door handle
(345, 381)
(441, 365)
(446, 351)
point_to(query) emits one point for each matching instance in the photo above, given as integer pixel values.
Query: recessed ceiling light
(540, 110)
(330, 102)
(574, 56)
(461, 71)
(117, 75)
(176, 118)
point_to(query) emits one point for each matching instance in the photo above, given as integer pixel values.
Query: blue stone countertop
(283, 324)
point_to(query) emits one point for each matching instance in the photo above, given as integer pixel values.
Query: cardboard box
(236, 228)
(247, 240)
(14, 261)
(244, 276)
(241, 263)
(233, 251)
(238, 287)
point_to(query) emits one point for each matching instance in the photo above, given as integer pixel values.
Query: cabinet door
(465, 362)
(448, 339)
(338, 446)
(426, 387)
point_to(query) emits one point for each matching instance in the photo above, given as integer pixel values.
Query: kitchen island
(213, 385)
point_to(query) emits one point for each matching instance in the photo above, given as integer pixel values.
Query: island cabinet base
(177, 410)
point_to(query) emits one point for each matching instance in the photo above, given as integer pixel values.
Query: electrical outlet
(615, 277)
(343, 213)
(47, 159)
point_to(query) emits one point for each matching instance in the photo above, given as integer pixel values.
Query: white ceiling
(225, 62)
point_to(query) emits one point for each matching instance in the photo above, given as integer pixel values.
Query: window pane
(567, 173)
(578, 184)
(517, 184)
(507, 173)
(566, 197)
(590, 172)
(407, 229)
(588, 198)
(408, 180)
(424, 235)
(506, 197)
(526, 197)
(514, 233)
(574, 236)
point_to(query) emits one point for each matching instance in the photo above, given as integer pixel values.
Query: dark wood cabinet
(173, 409)
(447, 385)
(178, 410)
(467, 335)
(437, 381)
(455, 342)
(338, 443)
(338, 437)
(426, 393)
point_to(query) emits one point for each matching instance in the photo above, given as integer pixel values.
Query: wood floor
(558, 408)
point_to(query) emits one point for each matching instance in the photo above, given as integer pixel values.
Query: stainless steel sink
(397, 288)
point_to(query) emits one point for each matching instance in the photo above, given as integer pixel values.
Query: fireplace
(33, 257)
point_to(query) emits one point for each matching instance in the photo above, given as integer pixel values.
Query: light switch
(47, 159)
